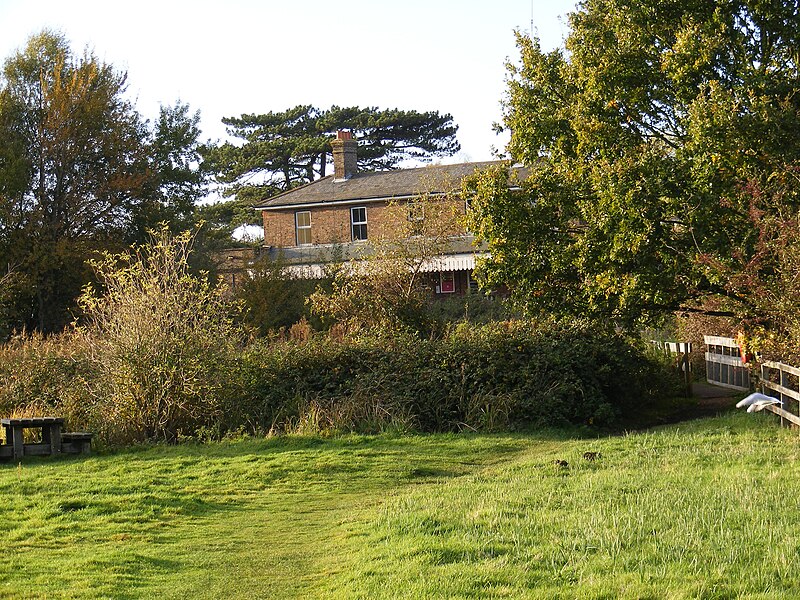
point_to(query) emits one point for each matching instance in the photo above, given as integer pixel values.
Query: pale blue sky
(238, 56)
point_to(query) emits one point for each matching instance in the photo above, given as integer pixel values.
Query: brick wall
(330, 225)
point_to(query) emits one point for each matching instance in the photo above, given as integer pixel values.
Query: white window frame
(353, 224)
(298, 227)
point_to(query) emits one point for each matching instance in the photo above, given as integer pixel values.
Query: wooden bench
(76, 442)
(15, 445)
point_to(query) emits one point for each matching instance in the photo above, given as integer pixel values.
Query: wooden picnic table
(15, 445)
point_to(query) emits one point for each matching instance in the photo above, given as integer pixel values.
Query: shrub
(162, 342)
(274, 298)
(502, 375)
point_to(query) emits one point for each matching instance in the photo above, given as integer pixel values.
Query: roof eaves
(369, 199)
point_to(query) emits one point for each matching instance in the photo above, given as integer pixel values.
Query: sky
(239, 57)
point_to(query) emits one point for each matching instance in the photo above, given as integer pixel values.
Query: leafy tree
(72, 167)
(81, 171)
(642, 138)
(279, 150)
(176, 177)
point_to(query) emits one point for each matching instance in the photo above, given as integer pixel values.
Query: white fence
(724, 364)
(681, 352)
(726, 368)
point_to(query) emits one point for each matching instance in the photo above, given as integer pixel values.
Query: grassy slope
(244, 519)
(705, 509)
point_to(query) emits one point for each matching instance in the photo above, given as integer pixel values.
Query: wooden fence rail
(782, 381)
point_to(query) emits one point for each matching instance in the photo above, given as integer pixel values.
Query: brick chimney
(345, 160)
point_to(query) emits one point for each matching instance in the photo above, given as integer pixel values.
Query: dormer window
(302, 224)
(358, 223)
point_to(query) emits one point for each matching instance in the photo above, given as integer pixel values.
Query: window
(302, 222)
(416, 218)
(358, 223)
(472, 285)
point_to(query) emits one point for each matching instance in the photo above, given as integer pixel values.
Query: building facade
(341, 217)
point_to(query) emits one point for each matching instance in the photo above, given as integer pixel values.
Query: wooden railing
(782, 381)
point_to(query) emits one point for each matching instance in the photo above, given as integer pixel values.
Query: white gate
(724, 364)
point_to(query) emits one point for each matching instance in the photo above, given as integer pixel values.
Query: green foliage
(71, 170)
(150, 367)
(640, 138)
(501, 375)
(163, 341)
(177, 179)
(272, 298)
(11, 286)
(767, 283)
(154, 360)
(476, 308)
(224, 216)
(379, 294)
(81, 171)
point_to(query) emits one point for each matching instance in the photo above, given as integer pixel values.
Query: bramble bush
(499, 376)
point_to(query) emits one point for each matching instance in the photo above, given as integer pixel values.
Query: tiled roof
(379, 185)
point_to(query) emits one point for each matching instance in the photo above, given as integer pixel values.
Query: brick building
(334, 218)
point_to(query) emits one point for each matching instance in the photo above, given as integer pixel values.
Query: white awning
(450, 262)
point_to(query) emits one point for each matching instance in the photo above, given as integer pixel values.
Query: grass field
(705, 509)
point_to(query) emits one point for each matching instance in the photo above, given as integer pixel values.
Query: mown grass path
(706, 509)
(241, 519)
